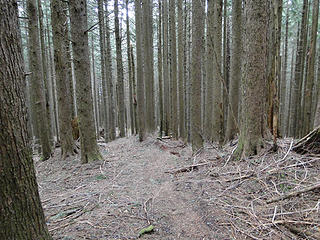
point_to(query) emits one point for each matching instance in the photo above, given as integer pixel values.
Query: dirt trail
(128, 191)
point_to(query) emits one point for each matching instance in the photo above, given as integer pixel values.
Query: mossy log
(309, 144)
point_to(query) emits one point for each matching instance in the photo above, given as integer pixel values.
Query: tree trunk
(80, 47)
(94, 93)
(197, 45)
(140, 80)
(21, 213)
(208, 129)
(235, 71)
(166, 102)
(283, 85)
(120, 85)
(111, 105)
(102, 36)
(310, 79)
(181, 69)
(160, 79)
(298, 75)
(59, 30)
(217, 128)
(47, 85)
(173, 69)
(37, 87)
(254, 82)
(131, 109)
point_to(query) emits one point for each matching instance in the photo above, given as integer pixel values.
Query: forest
(159, 119)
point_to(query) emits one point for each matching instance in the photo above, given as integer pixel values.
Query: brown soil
(140, 184)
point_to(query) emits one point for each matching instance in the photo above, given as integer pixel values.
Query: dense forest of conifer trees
(96, 70)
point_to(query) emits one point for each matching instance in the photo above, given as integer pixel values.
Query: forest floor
(159, 182)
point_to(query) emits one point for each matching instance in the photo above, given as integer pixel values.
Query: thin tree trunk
(160, 79)
(94, 94)
(299, 68)
(210, 71)
(181, 69)
(47, 85)
(166, 68)
(173, 69)
(131, 109)
(283, 85)
(235, 71)
(102, 39)
(217, 121)
(111, 105)
(120, 85)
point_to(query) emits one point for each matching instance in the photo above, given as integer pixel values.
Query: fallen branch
(241, 177)
(188, 168)
(293, 194)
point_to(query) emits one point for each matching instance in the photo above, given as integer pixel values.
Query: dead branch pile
(272, 196)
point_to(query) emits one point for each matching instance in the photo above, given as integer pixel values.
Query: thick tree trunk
(140, 80)
(21, 213)
(254, 82)
(80, 47)
(37, 87)
(197, 45)
(59, 30)
(121, 104)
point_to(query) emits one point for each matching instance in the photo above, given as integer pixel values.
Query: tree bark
(181, 79)
(112, 128)
(310, 79)
(120, 85)
(59, 30)
(173, 69)
(166, 89)
(197, 45)
(235, 71)
(254, 82)
(131, 109)
(217, 121)
(140, 80)
(80, 47)
(160, 79)
(102, 40)
(37, 87)
(21, 213)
